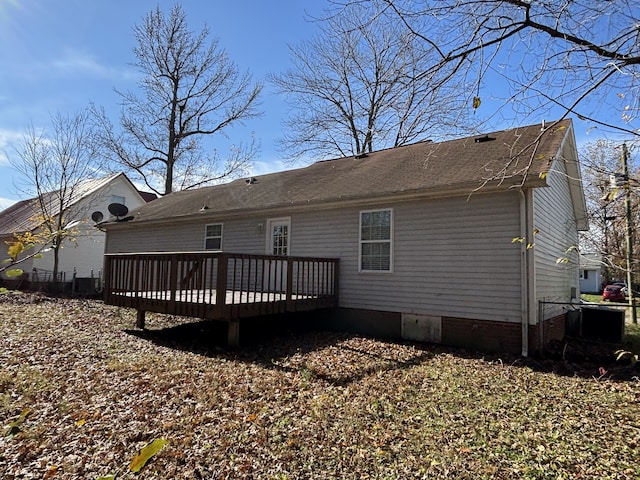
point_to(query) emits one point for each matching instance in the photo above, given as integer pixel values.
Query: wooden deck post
(140, 319)
(233, 333)
(289, 290)
(221, 285)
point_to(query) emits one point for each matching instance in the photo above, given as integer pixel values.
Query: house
(454, 242)
(81, 258)
(591, 273)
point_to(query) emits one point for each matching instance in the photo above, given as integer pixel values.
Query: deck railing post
(173, 278)
(107, 279)
(289, 291)
(221, 285)
(336, 283)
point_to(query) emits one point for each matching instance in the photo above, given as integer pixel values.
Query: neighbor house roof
(591, 261)
(498, 160)
(23, 215)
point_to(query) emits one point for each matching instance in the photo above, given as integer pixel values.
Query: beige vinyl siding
(238, 236)
(452, 257)
(555, 220)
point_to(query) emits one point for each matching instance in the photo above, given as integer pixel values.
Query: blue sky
(60, 55)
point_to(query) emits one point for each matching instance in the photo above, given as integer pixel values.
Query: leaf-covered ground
(296, 406)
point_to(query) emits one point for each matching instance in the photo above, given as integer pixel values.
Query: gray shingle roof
(425, 168)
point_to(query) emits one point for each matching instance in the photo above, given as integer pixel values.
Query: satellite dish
(97, 216)
(118, 210)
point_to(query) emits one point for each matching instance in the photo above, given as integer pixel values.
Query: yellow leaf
(251, 418)
(15, 249)
(146, 453)
(14, 427)
(81, 422)
(517, 239)
(571, 249)
(543, 175)
(476, 102)
(530, 246)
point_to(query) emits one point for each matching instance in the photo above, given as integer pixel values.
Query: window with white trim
(118, 199)
(376, 228)
(213, 237)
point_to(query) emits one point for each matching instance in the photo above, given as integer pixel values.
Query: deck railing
(219, 285)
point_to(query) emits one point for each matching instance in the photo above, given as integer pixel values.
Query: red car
(614, 293)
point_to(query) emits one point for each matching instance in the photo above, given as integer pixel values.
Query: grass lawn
(298, 406)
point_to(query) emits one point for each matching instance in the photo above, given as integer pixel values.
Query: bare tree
(189, 90)
(358, 87)
(54, 166)
(580, 56)
(604, 191)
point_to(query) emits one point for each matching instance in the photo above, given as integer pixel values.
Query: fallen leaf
(146, 453)
(51, 472)
(14, 427)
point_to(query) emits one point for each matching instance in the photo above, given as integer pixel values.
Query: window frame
(208, 237)
(390, 240)
(117, 198)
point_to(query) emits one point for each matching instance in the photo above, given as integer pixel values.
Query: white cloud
(264, 167)
(6, 203)
(8, 139)
(77, 62)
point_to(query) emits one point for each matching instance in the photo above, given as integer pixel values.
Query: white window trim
(391, 235)
(118, 199)
(206, 237)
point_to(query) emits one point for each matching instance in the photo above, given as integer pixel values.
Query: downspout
(524, 277)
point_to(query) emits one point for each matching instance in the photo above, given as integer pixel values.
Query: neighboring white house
(453, 242)
(82, 257)
(590, 273)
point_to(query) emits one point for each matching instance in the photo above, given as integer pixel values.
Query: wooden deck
(219, 285)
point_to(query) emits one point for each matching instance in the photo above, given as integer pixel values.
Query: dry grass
(299, 406)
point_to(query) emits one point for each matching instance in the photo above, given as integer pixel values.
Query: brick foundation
(481, 335)
(500, 336)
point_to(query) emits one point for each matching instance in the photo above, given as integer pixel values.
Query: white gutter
(524, 277)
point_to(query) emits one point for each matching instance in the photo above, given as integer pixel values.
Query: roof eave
(493, 186)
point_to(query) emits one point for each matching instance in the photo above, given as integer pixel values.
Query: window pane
(212, 244)
(214, 230)
(213, 237)
(375, 240)
(385, 263)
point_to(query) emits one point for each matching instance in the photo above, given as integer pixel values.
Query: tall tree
(605, 194)
(355, 88)
(189, 90)
(55, 166)
(580, 56)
